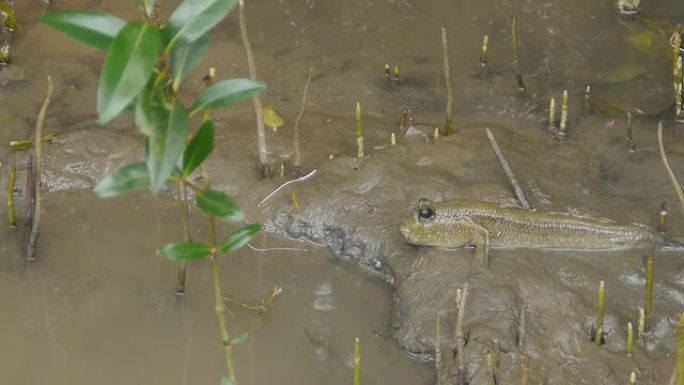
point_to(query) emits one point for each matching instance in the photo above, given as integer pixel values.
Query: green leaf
(219, 204)
(93, 28)
(239, 238)
(127, 179)
(225, 93)
(186, 56)
(129, 63)
(194, 18)
(199, 147)
(186, 251)
(240, 339)
(166, 145)
(149, 110)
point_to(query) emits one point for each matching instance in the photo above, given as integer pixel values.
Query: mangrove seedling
(631, 146)
(662, 217)
(357, 361)
(601, 307)
(648, 300)
(680, 351)
(359, 132)
(516, 57)
(640, 325)
(483, 51)
(630, 339)
(562, 134)
(144, 68)
(552, 116)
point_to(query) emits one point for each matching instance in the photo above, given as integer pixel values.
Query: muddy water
(98, 307)
(354, 207)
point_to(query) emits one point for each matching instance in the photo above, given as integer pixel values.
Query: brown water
(98, 305)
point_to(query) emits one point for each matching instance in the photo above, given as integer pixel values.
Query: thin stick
(663, 157)
(460, 339)
(264, 167)
(300, 179)
(449, 129)
(295, 141)
(11, 213)
(516, 57)
(38, 152)
(517, 190)
(648, 301)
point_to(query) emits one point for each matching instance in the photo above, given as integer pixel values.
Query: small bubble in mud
(325, 303)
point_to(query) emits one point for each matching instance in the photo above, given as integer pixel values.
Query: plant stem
(648, 301)
(218, 303)
(185, 214)
(264, 167)
(449, 129)
(11, 212)
(295, 141)
(38, 153)
(601, 313)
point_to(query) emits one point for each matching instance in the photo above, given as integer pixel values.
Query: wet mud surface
(537, 304)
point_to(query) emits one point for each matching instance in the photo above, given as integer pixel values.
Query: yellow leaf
(271, 117)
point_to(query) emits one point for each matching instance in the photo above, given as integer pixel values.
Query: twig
(37, 149)
(295, 141)
(460, 339)
(276, 248)
(264, 167)
(663, 157)
(449, 129)
(300, 179)
(517, 190)
(516, 57)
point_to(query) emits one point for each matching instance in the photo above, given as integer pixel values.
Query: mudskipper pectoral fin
(477, 236)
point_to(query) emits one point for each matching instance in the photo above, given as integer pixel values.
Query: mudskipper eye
(426, 213)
